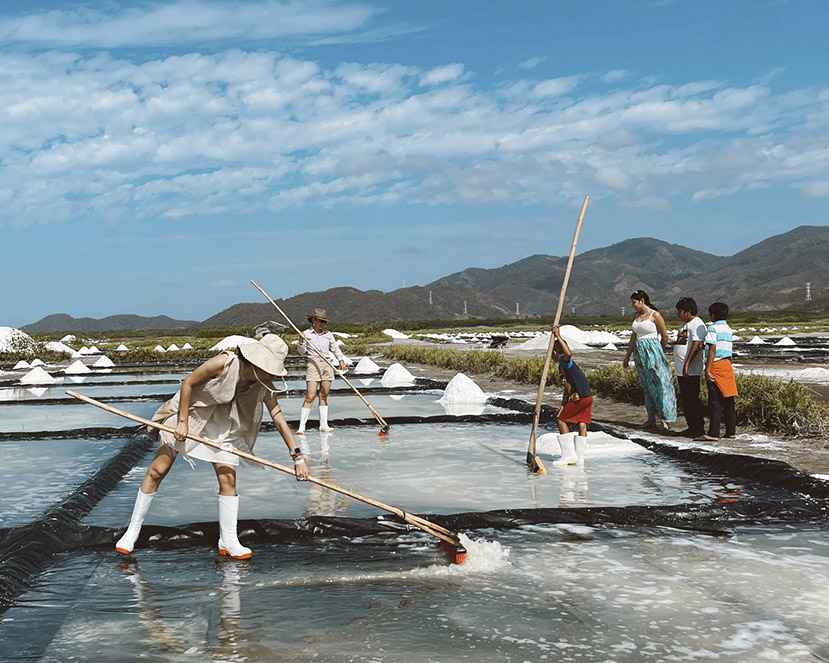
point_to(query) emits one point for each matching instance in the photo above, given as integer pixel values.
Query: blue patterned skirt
(657, 381)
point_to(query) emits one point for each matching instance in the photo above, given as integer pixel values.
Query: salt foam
(462, 389)
(37, 376)
(366, 365)
(397, 375)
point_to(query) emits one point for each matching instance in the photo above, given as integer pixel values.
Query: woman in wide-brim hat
(221, 401)
(318, 374)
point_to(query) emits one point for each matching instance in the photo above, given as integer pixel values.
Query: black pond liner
(26, 551)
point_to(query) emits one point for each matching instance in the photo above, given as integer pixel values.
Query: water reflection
(574, 489)
(461, 409)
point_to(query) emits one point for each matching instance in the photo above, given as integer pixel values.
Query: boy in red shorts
(576, 404)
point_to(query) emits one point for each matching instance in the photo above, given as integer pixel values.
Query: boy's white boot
(228, 540)
(304, 413)
(568, 449)
(126, 543)
(324, 427)
(581, 445)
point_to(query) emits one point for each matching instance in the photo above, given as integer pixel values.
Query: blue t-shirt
(575, 381)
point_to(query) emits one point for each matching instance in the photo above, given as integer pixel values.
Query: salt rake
(384, 427)
(449, 541)
(533, 461)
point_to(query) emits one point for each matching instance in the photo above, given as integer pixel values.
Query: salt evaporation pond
(641, 554)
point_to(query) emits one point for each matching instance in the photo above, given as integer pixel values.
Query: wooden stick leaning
(421, 523)
(533, 461)
(380, 420)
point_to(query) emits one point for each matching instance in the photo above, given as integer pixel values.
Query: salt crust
(462, 389)
(366, 365)
(37, 376)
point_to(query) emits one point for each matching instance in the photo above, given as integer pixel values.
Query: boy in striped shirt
(722, 387)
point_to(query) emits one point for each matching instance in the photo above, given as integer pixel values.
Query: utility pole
(430, 298)
(808, 291)
(465, 312)
(623, 311)
(517, 309)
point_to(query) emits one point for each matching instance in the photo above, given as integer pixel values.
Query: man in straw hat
(319, 374)
(221, 401)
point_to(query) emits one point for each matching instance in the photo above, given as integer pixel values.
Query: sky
(156, 156)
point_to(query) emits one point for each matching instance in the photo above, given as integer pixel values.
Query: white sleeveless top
(646, 328)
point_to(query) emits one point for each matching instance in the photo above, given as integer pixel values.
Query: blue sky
(155, 156)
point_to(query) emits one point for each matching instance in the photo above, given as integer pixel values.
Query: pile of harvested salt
(37, 376)
(12, 339)
(462, 389)
(59, 346)
(36, 362)
(394, 333)
(366, 365)
(173, 348)
(77, 367)
(21, 365)
(159, 348)
(104, 362)
(785, 341)
(397, 375)
(122, 348)
(186, 346)
(756, 340)
(234, 341)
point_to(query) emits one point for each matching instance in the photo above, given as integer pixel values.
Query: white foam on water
(37, 376)
(397, 375)
(77, 368)
(462, 389)
(366, 365)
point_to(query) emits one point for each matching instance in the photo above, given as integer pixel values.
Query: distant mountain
(59, 322)
(769, 275)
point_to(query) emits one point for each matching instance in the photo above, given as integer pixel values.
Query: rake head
(535, 464)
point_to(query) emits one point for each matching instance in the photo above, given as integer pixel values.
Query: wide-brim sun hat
(319, 314)
(268, 354)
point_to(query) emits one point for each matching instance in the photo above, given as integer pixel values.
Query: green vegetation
(774, 405)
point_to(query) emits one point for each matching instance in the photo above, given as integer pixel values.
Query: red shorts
(577, 412)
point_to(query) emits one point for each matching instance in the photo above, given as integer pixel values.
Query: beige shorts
(318, 371)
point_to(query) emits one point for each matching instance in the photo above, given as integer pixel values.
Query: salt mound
(394, 333)
(36, 362)
(69, 338)
(186, 346)
(84, 350)
(785, 341)
(756, 340)
(595, 337)
(104, 362)
(12, 339)
(94, 350)
(542, 342)
(21, 365)
(77, 368)
(37, 376)
(366, 365)
(609, 346)
(173, 348)
(58, 346)
(462, 389)
(159, 348)
(463, 409)
(234, 341)
(122, 348)
(397, 375)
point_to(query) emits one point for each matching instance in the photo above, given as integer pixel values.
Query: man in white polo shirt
(689, 373)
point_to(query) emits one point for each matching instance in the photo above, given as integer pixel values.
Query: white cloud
(818, 189)
(444, 74)
(615, 75)
(656, 203)
(226, 283)
(532, 63)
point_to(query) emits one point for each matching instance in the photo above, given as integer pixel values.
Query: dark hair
(718, 311)
(558, 347)
(687, 304)
(642, 296)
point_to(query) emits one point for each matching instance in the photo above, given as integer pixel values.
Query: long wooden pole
(427, 526)
(533, 461)
(380, 420)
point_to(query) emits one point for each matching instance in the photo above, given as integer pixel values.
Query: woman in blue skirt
(647, 345)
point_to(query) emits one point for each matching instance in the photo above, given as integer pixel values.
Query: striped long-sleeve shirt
(324, 342)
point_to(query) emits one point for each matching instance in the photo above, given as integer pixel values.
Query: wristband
(301, 461)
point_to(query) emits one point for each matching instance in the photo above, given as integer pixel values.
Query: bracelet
(301, 461)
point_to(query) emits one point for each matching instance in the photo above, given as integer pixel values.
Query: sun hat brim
(267, 354)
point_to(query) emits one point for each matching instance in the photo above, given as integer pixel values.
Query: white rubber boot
(304, 413)
(126, 543)
(581, 445)
(324, 427)
(568, 450)
(228, 540)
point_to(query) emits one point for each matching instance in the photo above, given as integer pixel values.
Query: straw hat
(268, 354)
(318, 313)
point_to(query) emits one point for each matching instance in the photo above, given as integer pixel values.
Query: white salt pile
(366, 365)
(12, 339)
(37, 376)
(173, 348)
(394, 333)
(104, 362)
(234, 341)
(341, 335)
(59, 346)
(94, 350)
(77, 367)
(756, 340)
(21, 365)
(84, 350)
(462, 389)
(397, 375)
(159, 348)
(542, 342)
(785, 341)
(186, 346)
(122, 348)
(69, 338)
(609, 346)
(36, 362)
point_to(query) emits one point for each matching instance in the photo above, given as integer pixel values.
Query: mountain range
(770, 275)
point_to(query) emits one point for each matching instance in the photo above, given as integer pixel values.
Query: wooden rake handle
(421, 523)
(374, 412)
